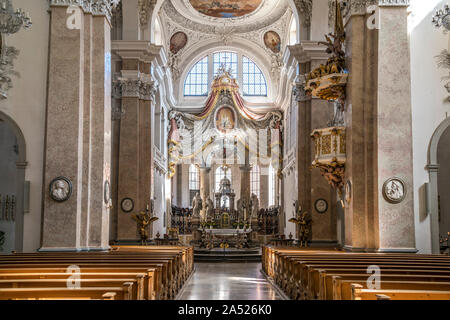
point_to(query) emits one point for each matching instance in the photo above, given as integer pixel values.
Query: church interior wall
(429, 103)
(26, 105)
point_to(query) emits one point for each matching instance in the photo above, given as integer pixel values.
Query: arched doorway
(443, 157)
(12, 184)
(437, 170)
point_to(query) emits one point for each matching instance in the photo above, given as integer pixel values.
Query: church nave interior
(224, 150)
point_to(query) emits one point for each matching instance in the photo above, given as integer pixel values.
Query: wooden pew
(165, 268)
(98, 293)
(331, 281)
(164, 284)
(359, 293)
(345, 289)
(137, 289)
(304, 273)
(141, 279)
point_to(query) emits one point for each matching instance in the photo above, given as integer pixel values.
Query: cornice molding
(95, 7)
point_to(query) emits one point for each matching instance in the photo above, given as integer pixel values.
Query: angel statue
(303, 221)
(143, 220)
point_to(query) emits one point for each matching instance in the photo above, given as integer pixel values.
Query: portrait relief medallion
(394, 190)
(321, 206)
(127, 205)
(60, 189)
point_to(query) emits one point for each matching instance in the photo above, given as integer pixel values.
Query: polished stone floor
(228, 281)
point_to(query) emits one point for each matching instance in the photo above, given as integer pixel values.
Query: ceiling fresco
(225, 8)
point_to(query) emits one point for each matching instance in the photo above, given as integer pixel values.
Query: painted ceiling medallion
(225, 8)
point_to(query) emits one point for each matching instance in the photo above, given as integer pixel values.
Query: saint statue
(254, 205)
(197, 205)
(209, 207)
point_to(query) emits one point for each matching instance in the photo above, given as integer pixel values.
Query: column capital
(145, 8)
(304, 8)
(141, 88)
(95, 7)
(359, 7)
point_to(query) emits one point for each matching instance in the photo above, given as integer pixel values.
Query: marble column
(135, 163)
(78, 133)
(378, 116)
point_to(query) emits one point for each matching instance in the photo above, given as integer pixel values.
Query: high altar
(229, 135)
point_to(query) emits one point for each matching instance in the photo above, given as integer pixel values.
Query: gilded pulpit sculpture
(328, 82)
(143, 220)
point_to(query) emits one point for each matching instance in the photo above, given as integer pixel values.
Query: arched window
(272, 181)
(254, 82)
(255, 181)
(220, 174)
(194, 178)
(158, 33)
(199, 78)
(227, 58)
(196, 83)
(293, 32)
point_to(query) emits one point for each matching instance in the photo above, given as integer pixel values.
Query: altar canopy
(225, 129)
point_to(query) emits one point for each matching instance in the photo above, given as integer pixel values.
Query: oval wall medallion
(272, 40)
(394, 190)
(60, 189)
(178, 41)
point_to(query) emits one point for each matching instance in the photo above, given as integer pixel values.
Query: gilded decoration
(329, 158)
(328, 82)
(326, 144)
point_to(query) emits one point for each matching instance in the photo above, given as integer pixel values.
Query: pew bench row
(333, 275)
(123, 273)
